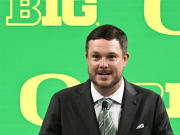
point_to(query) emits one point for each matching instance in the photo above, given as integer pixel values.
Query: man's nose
(103, 63)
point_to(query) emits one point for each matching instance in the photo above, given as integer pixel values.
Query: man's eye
(111, 56)
(96, 56)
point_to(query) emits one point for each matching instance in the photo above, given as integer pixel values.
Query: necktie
(106, 125)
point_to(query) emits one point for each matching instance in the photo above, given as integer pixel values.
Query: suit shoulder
(71, 91)
(145, 92)
(148, 97)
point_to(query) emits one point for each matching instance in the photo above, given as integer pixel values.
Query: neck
(109, 91)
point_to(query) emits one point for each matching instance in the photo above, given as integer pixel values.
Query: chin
(103, 84)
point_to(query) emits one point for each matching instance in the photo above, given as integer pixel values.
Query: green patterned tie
(106, 125)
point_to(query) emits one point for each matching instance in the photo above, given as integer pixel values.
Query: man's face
(105, 62)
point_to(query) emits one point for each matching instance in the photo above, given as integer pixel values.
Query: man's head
(108, 32)
(106, 55)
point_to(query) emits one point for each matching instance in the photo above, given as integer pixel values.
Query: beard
(102, 87)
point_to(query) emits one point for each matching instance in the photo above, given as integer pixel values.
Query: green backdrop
(30, 51)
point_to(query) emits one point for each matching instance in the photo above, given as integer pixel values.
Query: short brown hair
(108, 32)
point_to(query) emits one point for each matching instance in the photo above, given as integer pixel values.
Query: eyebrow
(95, 52)
(111, 53)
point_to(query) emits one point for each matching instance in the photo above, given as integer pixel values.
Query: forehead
(104, 46)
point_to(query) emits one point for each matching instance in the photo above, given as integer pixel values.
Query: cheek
(117, 68)
(93, 65)
(92, 68)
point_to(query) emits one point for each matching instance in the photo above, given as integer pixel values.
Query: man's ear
(86, 55)
(126, 57)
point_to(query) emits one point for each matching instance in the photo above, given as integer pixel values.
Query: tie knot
(108, 100)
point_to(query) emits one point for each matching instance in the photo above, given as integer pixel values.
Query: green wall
(30, 51)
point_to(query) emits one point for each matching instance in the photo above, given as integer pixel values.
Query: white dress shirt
(115, 109)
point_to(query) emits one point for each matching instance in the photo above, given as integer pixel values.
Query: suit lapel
(86, 109)
(128, 109)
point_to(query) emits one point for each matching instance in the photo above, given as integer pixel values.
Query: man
(106, 104)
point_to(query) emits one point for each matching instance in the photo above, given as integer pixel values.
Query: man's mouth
(104, 73)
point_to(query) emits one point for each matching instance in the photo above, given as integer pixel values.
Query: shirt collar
(117, 96)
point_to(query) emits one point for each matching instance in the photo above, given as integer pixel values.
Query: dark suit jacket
(71, 112)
